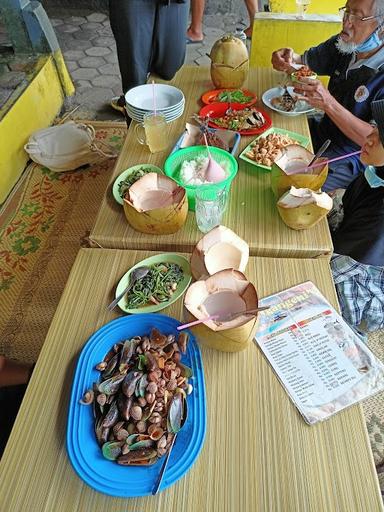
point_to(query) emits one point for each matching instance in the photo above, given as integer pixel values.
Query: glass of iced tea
(155, 131)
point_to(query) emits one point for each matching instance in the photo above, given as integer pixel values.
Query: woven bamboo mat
(39, 241)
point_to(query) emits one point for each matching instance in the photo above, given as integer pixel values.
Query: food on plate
(194, 172)
(265, 150)
(286, 102)
(213, 140)
(303, 72)
(230, 96)
(140, 401)
(131, 179)
(240, 119)
(157, 286)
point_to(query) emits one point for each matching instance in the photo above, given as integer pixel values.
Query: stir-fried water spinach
(157, 286)
(131, 179)
(234, 96)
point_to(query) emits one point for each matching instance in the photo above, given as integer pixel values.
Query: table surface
(252, 213)
(258, 455)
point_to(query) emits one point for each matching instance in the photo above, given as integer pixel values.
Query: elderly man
(354, 60)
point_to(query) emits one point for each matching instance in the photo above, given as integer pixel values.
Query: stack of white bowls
(144, 99)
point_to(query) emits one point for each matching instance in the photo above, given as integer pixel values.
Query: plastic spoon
(227, 317)
(214, 172)
(165, 463)
(136, 274)
(323, 148)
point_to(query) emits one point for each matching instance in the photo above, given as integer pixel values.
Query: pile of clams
(139, 402)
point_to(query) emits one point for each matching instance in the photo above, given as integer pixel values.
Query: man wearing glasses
(354, 61)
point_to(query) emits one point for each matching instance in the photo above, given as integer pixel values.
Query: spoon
(318, 154)
(136, 274)
(221, 317)
(156, 487)
(214, 172)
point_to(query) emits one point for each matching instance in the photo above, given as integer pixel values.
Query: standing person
(150, 38)
(358, 262)
(354, 61)
(195, 30)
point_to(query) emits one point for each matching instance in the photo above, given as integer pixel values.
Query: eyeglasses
(353, 18)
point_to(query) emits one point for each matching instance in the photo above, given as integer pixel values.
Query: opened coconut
(223, 293)
(229, 62)
(219, 249)
(302, 208)
(156, 204)
(289, 170)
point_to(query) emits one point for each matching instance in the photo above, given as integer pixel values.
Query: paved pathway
(90, 53)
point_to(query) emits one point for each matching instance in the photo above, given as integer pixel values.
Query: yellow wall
(36, 108)
(272, 34)
(316, 6)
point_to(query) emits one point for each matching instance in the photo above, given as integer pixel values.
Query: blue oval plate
(83, 450)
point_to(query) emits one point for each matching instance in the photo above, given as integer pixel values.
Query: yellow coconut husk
(303, 208)
(219, 249)
(227, 291)
(284, 176)
(156, 204)
(229, 62)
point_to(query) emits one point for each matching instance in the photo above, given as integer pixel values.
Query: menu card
(320, 361)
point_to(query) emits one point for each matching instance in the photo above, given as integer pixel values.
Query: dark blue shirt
(361, 233)
(354, 89)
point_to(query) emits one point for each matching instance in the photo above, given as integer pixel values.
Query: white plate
(166, 96)
(169, 118)
(166, 115)
(163, 111)
(301, 108)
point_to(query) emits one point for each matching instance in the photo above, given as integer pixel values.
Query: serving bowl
(172, 168)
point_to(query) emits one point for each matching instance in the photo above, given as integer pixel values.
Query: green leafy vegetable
(131, 179)
(234, 97)
(155, 287)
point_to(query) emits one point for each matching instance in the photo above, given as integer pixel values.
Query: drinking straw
(319, 164)
(206, 145)
(191, 324)
(154, 96)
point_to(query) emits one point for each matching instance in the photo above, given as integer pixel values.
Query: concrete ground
(89, 50)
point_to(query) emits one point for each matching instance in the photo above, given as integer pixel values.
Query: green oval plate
(159, 258)
(126, 173)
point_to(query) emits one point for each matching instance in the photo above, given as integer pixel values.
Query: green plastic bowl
(172, 167)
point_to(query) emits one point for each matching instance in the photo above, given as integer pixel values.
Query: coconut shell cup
(298, 216)
(284, 175)
(219, 249)
(229, 62)
(296, 77)
(156, 205)
(227, 291)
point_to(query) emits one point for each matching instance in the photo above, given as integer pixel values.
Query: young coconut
(219, 249)
(301, 208)
(286, 171)
(227, 291)
(229, 62)
(156, 204)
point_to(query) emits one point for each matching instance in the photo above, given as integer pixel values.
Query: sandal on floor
(118, 103)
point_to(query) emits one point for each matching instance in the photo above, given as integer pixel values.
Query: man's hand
(283, 59)
(314, 93)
